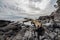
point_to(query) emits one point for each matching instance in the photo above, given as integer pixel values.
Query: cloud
(25, 8)
(32, 7)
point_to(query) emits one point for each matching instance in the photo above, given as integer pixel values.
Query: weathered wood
(4, 23)
(11, 26)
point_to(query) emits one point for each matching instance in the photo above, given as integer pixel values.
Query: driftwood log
(10, 26)
(4, 23)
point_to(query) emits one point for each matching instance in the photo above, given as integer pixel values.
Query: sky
(16, 9)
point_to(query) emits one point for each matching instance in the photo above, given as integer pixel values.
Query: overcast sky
(15, 9)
